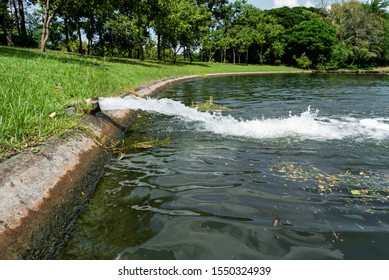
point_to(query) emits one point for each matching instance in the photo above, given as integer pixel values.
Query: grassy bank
(36, 89)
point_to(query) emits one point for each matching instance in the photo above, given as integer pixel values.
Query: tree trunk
(159, 46)
(89, 47)
(211, 54)
(175, 52)
(190, 57)
(47, 17)
(16, 13)
(174, 56)
(260, 55)
(141, 54)
(22, 17)
(45, 28)
(102, 43)
(6, 30)
(78, 26)
(66, 26)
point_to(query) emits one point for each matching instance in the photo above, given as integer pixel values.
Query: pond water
(295, 168)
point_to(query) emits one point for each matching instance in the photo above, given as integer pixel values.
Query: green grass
(35, 85)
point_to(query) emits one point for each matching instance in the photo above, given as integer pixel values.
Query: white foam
(307, 125)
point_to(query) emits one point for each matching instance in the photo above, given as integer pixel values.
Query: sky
(269, 4)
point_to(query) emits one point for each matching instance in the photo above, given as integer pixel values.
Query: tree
(313, 39)
(266, 33)
(180, 25)
(6, 22)
(20, 17)
(210, 44)
(73, 13)
(289, 17)
(378, 7)
(199, 26)
(385, 43)
(96, 14)
(158, 17)
(359, 29)
(228, 15)
(122, 33)
(50, 9)
(244, 32)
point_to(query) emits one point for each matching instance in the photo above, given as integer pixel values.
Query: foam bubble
(307, 125)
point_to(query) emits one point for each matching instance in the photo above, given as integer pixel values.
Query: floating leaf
(364, 191)
(333, 178)
(359, 192)
(356, 192)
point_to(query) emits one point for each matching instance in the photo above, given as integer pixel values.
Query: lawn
(37, 88)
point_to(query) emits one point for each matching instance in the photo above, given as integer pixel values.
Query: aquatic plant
(151, 143)
(209, 106)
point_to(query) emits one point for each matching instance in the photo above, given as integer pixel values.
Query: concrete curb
(42, 192)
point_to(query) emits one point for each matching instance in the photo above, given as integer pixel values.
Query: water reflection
(231, 240)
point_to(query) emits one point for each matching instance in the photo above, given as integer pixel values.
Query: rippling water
(297, 169)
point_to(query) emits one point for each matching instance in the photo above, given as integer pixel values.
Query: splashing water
(307, 125)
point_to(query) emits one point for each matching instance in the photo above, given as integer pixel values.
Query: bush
(303, 62)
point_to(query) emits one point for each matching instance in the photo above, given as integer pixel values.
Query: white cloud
(309, 4)
(282, 3)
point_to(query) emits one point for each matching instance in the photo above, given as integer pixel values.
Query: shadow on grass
(92, 61)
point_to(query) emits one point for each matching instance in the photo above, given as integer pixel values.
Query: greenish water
(297, 169)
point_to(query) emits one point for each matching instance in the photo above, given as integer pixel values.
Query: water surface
(297, 169)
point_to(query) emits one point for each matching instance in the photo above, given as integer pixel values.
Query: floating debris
(361, 185)
(361, 227)
(121, 156)
(210, 106)
(276, 221)
(336, 237)
(151, 143)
